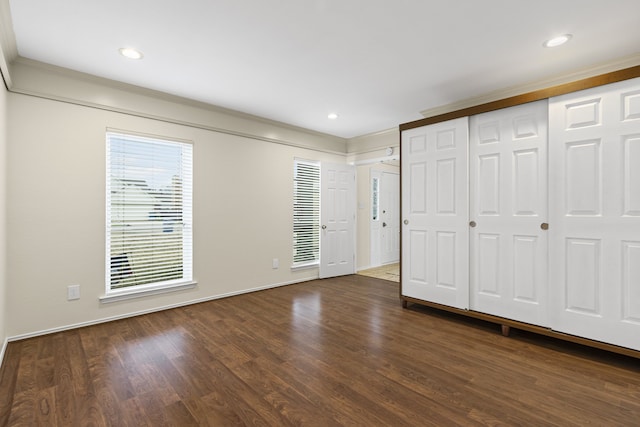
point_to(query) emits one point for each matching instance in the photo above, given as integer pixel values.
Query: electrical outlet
(275, 264)
(73, 292)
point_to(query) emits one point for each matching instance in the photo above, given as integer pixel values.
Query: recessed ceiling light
(332, 116)
(557, 41)
(131, 53)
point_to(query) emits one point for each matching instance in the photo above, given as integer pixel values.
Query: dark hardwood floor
(330, 352)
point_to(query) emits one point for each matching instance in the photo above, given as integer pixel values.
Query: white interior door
(595, 205)
(390, 218)
(508, 205)
(337, 219)
(435, 213)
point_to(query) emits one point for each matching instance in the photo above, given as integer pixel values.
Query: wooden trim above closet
(588, 83)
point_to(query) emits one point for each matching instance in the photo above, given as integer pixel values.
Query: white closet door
(595, 204)
(508, 205)
(435, 234)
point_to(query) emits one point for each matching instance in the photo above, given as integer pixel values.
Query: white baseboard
(3, 350)
(152, 310)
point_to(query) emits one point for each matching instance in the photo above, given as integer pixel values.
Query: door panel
(488, 271)
(508, 202)
(435, 234)
(526, 190)
(446, 191)
(631, 184)
(595, 201)
(631, 281)
(416, 267)
(488, 185)
(525, 281)
(583, 178)
(337, 216)
(446, 255)
(582, 276)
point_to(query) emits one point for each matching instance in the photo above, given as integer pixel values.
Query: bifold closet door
(508, 212)
(595, 204)
(435, 237)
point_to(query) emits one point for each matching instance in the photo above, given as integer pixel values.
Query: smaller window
(306, 213)
(375, 193)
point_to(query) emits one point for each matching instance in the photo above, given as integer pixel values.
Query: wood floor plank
(332, 352)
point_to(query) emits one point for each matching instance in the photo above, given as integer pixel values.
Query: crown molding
(596, 70)
(90, 78)
(48, 81)
(372, 142)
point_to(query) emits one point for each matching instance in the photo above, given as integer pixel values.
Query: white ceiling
(377, 63)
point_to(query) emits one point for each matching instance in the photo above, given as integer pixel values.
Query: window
(306, 213)
(149, 194)
(375, 196)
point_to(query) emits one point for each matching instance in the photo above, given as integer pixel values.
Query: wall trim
(128, 294)
(3, 352)
(176, 121)
(395, 157)
(508, 323)
(46, 81)
(371, 142)
(626, 62)
(151, 310)
(395, 146)
(562, 89)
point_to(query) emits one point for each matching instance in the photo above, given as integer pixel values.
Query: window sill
(305, 266)
(126, 294)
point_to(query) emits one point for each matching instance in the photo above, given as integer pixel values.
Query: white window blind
(149, 212)
(306, 212)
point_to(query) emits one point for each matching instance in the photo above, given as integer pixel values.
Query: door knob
(406, 222)
(544, 226)
(472, 224)
(384, 224)
(324, 227)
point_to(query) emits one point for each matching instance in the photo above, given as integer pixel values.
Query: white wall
(242, 193)
(56, 212)
(3, 209)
